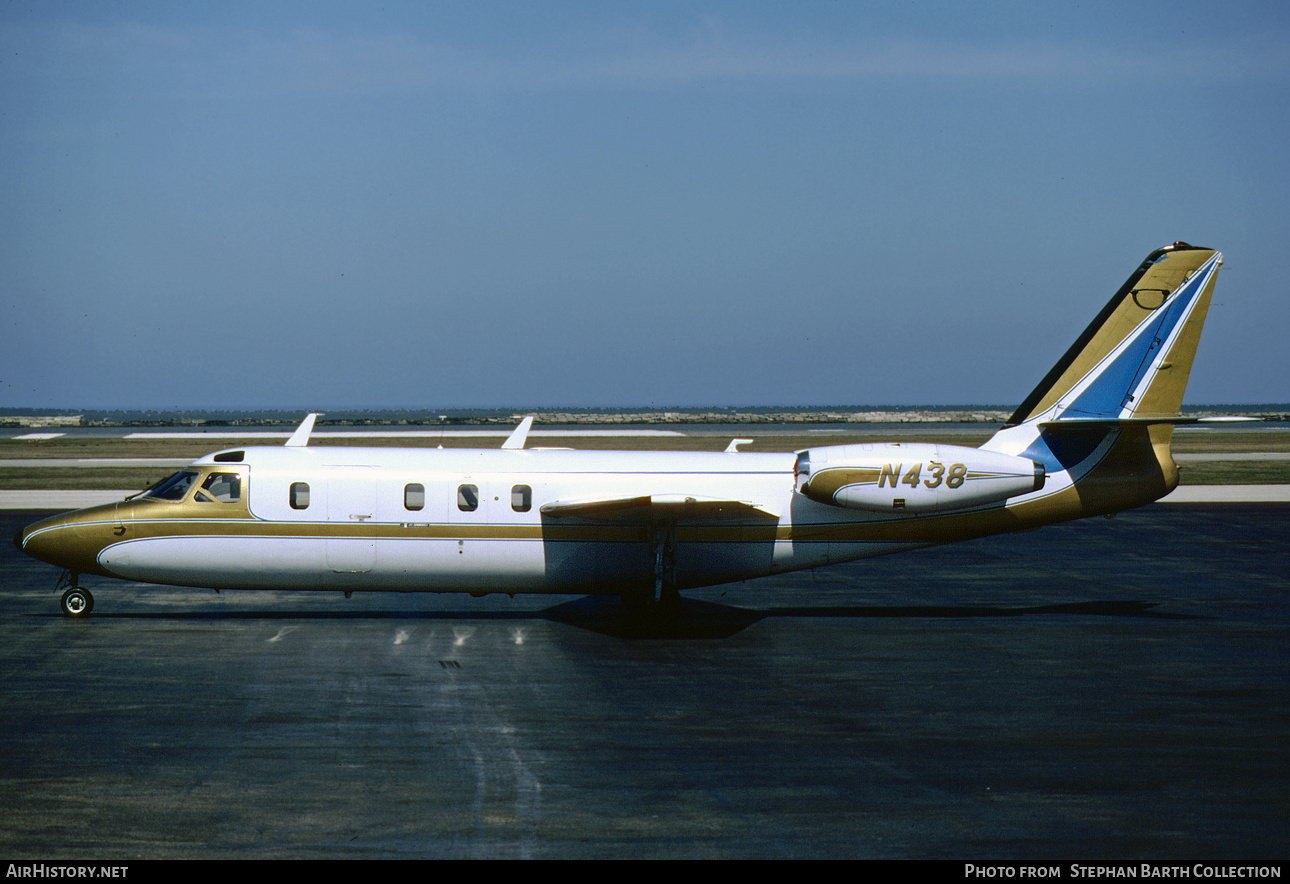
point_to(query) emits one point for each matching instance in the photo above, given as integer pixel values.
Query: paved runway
(1108, 689)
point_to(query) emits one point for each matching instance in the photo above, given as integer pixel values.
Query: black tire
(77, 602)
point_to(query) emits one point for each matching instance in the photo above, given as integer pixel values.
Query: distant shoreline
(590, 417)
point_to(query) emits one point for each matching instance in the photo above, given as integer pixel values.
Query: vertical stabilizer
(1133, 361)
(1102, 420)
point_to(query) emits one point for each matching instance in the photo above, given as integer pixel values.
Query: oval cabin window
(521, 498)
(467, 498)
(414, 496)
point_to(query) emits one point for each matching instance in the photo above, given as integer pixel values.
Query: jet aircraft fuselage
(1092, 438)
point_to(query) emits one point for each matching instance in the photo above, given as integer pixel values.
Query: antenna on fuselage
(300, 438)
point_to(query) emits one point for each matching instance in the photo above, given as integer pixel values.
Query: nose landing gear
(76, 602)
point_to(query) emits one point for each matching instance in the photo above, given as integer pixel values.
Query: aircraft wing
(656, 506)
(520, 434)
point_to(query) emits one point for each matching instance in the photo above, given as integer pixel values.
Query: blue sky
(314, 205)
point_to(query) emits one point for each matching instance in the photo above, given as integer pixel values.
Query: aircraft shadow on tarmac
(695, 620)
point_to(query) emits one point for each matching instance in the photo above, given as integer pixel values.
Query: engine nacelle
(913, 477)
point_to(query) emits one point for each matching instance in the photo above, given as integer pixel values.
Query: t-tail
(1101, 420)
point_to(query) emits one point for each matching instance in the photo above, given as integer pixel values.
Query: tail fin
(1102, 419)
(1133, 361)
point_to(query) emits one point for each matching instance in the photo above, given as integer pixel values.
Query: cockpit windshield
(173, 488)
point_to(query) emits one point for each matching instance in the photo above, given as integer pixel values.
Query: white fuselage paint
(358, 533)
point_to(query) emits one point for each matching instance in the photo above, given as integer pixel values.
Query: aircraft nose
(56, 540)
(24, 540)
(69, 540)
(33, 546)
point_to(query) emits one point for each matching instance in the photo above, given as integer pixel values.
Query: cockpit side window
(172, 488)
(223, 487)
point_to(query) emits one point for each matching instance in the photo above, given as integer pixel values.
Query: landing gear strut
(667, 598)
(76, 602)
(661, 601)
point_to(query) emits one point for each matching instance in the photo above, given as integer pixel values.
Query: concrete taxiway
(1105, 689)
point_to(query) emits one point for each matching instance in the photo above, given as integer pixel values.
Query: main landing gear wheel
(77, 602)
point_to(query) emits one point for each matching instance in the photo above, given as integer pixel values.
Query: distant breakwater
(588, 418)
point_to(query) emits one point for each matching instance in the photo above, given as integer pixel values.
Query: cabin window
(521, 498)
(414, 496)
(173, 487)
(224, 487)
(467, 498)
(299, 495)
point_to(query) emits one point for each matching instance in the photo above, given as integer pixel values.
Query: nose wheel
(77, 602)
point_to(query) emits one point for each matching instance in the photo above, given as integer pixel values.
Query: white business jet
(1093, 438)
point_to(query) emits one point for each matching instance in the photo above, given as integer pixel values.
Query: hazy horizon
(238, 204)
(429, 413)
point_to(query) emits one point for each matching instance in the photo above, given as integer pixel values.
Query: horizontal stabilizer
(1121, 421)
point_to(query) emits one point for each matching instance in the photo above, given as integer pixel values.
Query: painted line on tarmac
(1202, 456)
(1228, 494)
(92, 462)
(60, 499)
